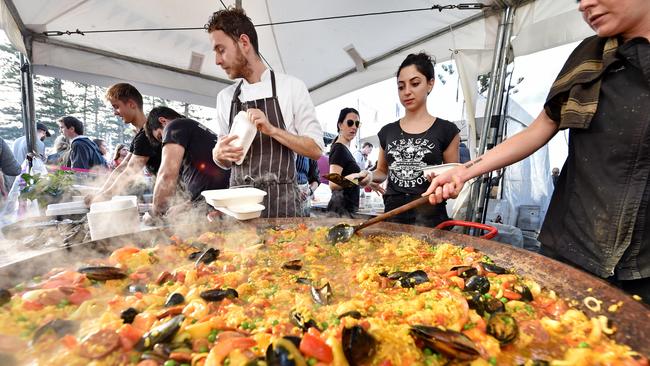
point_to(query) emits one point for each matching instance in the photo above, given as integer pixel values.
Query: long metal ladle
(343, 232)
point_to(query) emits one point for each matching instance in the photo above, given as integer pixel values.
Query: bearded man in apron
(280, 107)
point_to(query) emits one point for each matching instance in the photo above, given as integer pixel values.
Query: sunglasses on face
(353, 123)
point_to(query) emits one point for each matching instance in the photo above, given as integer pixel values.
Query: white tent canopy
(159, 62)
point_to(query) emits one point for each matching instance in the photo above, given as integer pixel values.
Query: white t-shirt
(20, 149)
(296, 105)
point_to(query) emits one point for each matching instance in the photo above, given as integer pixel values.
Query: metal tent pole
(493, 116)
(27, 94)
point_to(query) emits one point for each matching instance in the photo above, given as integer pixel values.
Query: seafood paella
(286, 296)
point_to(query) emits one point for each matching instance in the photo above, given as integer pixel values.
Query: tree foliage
(55, 98)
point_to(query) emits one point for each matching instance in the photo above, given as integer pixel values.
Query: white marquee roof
(158, 62)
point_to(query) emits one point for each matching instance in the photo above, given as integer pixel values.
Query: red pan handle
(491, 230)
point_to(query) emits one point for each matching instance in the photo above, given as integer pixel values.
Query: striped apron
(268, 165)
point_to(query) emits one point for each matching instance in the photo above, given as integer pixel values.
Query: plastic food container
(233, 196)
(112, 218)
(133, 199)
(66, 208)
(245, 132)
(243, 212)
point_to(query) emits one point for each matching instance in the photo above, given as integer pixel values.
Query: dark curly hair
(153, 122)
(234, 22)
(424, 63)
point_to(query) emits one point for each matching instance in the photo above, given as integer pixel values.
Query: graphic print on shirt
(406, 170)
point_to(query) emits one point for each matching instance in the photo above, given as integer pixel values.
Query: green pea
(311, 361)
(583, 345)
(212, 337)
(170, 363)
(204, 349)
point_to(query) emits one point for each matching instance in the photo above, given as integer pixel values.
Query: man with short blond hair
(127, 104)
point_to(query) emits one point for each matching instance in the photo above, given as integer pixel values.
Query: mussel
(127, 315)
(102, 273)
(60, 327)
(359, 346)
(160, 334)
(407, 279)
(524, 291)
(493, 268)
(7, 359)
(478, 283)
(303, 281)
(352, 314)
(293, 265)
(465, 272)
(475, 301)
(284, 352)
(503, 327)
(451, 344)
(322, 295)
(208, 256)
(5, 296)
(218, 294)
(492, 305)
(194, 255)
(482, 305)
(299, 320)
(174, 299)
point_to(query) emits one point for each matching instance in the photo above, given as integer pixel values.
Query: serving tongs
(340, 180)
(343, 232)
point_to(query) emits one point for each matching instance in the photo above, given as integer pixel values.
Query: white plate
(233, 196)
(243, 212)
(439, 169)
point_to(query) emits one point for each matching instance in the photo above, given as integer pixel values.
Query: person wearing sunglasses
(599, 215)
(412, 143)
(345, 201)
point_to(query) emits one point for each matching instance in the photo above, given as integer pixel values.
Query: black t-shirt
(141, 146)
(198, 170)
(347, 200)
(407, 154)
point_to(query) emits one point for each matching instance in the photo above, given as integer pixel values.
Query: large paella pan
(275, 292)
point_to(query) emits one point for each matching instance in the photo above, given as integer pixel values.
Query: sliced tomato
(32, 305)
(314, 346)
(129, 336)
(69, 341)
(511, 295)
(144, 321)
